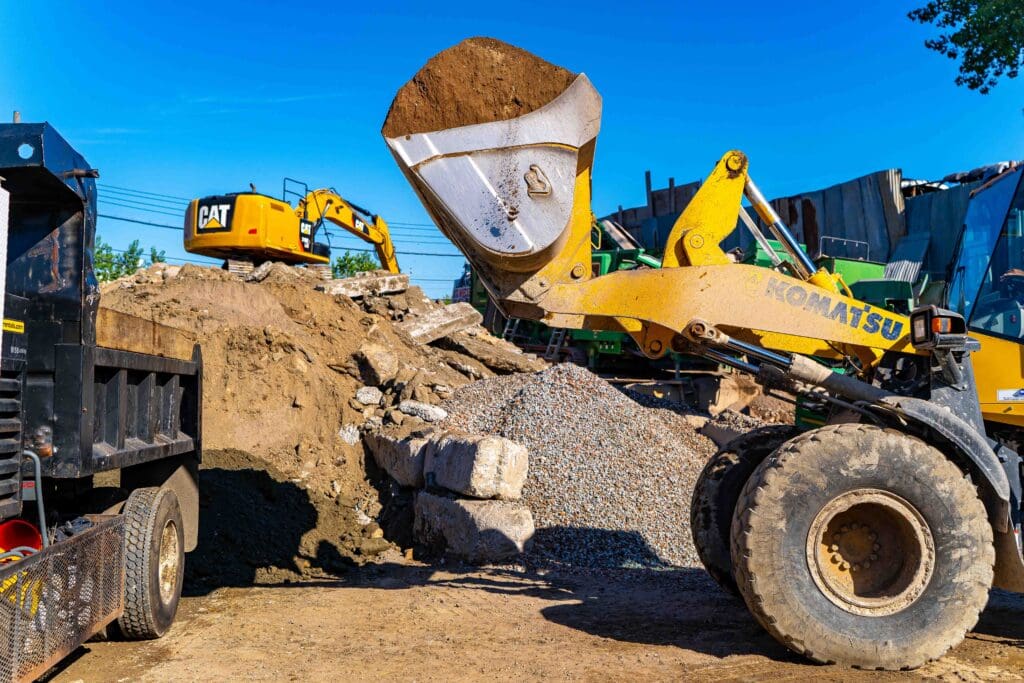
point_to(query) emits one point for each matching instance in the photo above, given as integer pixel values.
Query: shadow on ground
(255, 529)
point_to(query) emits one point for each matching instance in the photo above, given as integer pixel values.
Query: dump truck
(870, 541)
(100, 426)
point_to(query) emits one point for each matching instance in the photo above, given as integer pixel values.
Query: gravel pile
(610, 480)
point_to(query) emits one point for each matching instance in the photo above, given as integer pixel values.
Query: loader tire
(862, 546)
(717, 490)
(154, 562)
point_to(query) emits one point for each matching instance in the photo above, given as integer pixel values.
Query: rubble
(477, 531)
(609, 480)
(285, 367)
(477, 466)
(441, 322)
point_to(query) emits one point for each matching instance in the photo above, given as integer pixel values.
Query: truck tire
(154, 561)
(862, 546)
(717, 490)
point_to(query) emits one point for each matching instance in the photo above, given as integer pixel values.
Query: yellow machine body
(545, 273)
(255, 227)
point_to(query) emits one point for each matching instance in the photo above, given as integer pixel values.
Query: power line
(144, 192)
(131, 206)
(124, 196)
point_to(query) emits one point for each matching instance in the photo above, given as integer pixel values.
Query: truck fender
(960, 442)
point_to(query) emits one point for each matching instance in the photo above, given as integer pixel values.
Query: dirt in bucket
(480, 80)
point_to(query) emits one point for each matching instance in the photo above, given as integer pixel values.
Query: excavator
(871, 541)
(249, 228)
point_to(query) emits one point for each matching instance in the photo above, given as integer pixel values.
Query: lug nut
(844, 565)
(834, 547)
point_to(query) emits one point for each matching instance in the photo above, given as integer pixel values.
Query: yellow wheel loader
(872, 541)
(248, 228)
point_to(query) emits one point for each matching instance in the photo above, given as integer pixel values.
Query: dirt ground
(413, 622)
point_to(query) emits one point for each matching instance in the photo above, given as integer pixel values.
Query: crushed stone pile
(609, 480)
(285, 489)
(480, 80)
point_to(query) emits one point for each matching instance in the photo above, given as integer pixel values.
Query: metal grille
(55, 600)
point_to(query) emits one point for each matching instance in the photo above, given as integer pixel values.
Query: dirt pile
(286, 488)
(609, 480)
(480, 80)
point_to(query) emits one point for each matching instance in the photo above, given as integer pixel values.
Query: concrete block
(478, 466)
(377, 364)
(441, 322)
(363, 284)
(401, 458)
(478, 531)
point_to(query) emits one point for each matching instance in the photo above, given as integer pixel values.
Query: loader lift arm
(326, 204)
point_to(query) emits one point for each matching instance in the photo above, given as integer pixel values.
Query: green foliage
(987, 36)
(348, 264)
(110, 265)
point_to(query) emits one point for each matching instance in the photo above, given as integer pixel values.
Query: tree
(348, 264)
(987, 36)
(109, 264)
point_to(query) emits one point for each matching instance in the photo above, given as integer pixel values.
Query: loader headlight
(932, 327)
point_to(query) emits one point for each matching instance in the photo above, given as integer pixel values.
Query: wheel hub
(169, 563)
(870, 552)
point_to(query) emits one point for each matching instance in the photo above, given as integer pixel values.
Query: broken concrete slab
(478, 531)
(402, 458)
(477, 466)
(424, 411)
(496, 354)
(441, 322)
(377, 364)
(363, 284)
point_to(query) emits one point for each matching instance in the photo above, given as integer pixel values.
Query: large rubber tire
(154, 561)
(937, 589)
(718, 488)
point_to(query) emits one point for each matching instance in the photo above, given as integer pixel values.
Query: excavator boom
(326, 204)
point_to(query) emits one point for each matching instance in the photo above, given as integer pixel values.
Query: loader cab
(986, 278)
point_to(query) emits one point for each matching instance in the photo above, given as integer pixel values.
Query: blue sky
(188, 99)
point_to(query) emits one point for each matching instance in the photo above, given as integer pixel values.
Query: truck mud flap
(55, 600)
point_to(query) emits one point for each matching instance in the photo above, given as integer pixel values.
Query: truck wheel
(154, 558)
(862, 546)
(717, 490)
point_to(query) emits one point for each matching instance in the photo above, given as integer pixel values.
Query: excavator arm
(325, 204)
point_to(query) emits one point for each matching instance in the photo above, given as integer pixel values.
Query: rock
(349, 434)
(373, 546)
(369, 396)
(377, 364)
(424, 411)
(441, 322)
(363, 284)
(478, 531)
(477, 466)
(401, 458)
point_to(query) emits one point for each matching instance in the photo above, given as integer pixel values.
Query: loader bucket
(505, 190)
